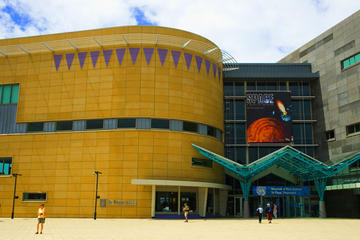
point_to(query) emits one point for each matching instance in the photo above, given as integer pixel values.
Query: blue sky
(251, 31)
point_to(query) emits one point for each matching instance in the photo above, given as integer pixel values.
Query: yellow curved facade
(61, 164)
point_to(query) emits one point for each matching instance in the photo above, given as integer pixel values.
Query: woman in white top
(41, 214)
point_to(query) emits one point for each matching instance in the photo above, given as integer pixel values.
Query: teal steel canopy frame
(296, 162)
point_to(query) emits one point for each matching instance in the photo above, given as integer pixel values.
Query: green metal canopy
(296, 162)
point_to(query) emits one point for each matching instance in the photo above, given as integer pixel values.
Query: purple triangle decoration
(219, 72)
(107, 56)
(94, 57)
(69, 59)
(148, 52)
(176, 57)
(207, 64)
(57, 60)
(120, 54)
(198, 62)
(162, 55)
(214, 69)
(82, 57)
(188, 58)
(134, 53)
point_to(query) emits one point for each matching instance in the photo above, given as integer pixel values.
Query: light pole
(96, 191)
(14, 196)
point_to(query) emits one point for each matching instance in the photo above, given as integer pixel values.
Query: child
(41, 214)
(186, 210)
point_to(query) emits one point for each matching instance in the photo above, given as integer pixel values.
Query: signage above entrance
(280, 191)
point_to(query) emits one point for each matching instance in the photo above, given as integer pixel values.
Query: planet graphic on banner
(266, 130)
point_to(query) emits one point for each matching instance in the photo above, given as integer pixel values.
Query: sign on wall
(280, 191)
(268, 117)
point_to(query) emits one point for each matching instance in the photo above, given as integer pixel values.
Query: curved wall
(61, 163)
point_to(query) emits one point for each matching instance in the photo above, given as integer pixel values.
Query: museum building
(135, 121)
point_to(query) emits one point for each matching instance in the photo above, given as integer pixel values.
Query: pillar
(203, 192)
(223, 197)
(320, 185)
(245, 187)
(214, 201)
(153, 200)
(179, 200)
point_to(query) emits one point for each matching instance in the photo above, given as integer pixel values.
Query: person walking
(41, 214)
(186, 210)
(268, 212)
(259, 212)
(275, 210)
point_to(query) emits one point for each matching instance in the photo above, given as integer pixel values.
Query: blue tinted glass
(346, 63)
(352, 60)
(239, 89)
(239, 110)
(357, 58)
(228, 89)
(6, 168)
(6, 94)
(15, 93)
(1, 87)
(1, 168)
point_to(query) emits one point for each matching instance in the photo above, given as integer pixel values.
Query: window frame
(332, 138)
(354, 126)
(2, 160)
(348, 59)
(211, 165)
(34, 200)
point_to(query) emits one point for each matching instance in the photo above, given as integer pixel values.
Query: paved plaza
(147, 229)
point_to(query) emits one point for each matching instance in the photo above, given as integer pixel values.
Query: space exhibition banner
(268, 117)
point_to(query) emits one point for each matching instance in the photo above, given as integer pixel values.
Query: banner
(268, 117)
(280, 191)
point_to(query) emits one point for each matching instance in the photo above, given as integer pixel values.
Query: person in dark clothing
(268, 211)
(259, 212)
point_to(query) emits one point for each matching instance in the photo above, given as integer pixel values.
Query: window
(235, 133)
(64, 126)
(94, 124)
(35, 127)
(127, 123)
(190, 126)
(330, 135)
(211, 131)
(160, 123)
(354, 128)
(350, 61)
(299, 88)
(302, 133)
(201, 162)
(5, 166)
(237, 154)
(166, 202)
(228, 89)
(234, 109)
(239, 89)
(307, 150)
(9, 94)
(301, 110)
(40, 197)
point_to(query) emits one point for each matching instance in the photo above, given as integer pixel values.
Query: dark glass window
(261, 86)
(201, 162)
(282, 86)
(299, 88)
(127, 123)
(34, 196)
(5, 166)
(189, 198)
(234, 109)
(302, 133)
(239, 89)
(301, 110)
(237, 154)
(211, 131)
(166, 202)
(160, 123)
(228, 89)
(95, 124)
(35, 127)
(235, 133)
(250, 86)
(190, 126)
(353, 128)
(64, 126)
(330, 134)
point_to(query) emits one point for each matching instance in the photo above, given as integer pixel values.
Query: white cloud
(252, 31)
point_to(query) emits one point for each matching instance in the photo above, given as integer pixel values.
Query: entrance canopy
(296, 162)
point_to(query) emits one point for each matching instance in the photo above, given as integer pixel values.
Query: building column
(203, 192)
(179, 200)
(223, 197)
(214, 201)
(153, 200)
(245, 187)
(320, 185)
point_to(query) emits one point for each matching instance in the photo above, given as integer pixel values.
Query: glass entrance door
(238, 206)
